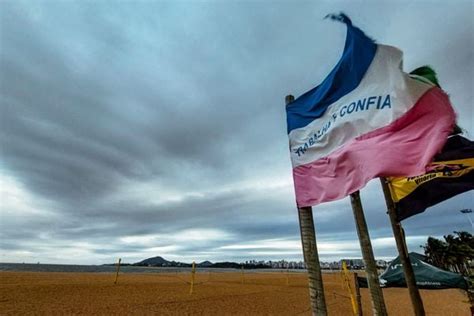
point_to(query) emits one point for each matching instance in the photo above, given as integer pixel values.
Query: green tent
(426, 275)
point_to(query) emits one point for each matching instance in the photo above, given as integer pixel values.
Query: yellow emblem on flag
(400, 187)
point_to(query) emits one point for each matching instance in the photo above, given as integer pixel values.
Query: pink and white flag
(367, 119)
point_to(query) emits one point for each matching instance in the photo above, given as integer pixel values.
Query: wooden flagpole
(410, 280)
(378, 303)
(311, 259)
(310, 253)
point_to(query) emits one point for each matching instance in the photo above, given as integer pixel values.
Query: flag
(366, 119)
(450, 174)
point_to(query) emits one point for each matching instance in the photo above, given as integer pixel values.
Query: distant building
(352, 264)
(355, 264)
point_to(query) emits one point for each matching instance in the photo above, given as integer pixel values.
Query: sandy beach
(40, 293)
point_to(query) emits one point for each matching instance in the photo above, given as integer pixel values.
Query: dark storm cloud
(116, 120)
(166, 119)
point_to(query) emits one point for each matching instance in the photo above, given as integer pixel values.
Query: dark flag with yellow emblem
(451, 173)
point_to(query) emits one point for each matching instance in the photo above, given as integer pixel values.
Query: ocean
(39, 267)
(33, 267)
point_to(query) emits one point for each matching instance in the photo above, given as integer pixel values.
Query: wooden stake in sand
(357, 294)
(310, 253)
(242, 277)
(415, 297)
(378, 303)
(117, 272)
(193, 272)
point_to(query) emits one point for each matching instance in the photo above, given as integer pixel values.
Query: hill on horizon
(159, 261)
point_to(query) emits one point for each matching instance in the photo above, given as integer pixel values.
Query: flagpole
(310, 253)
(410, 280)
(311, 259)
(378, 303)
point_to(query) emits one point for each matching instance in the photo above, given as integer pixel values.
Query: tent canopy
(426, 275)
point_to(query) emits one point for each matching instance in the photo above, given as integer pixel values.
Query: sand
(40, 293)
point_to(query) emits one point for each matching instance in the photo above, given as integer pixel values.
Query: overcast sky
(136, 129)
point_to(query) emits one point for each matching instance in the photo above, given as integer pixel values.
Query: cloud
(159, 128)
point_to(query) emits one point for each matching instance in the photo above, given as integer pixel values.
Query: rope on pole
(345, 276)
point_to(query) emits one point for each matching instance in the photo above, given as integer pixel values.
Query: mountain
(155, 262)
(161, 262)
